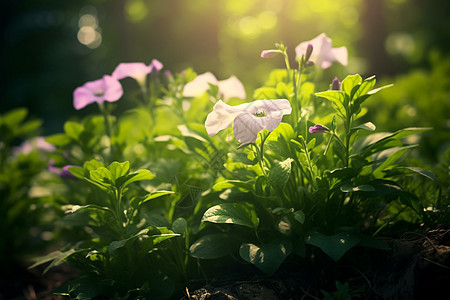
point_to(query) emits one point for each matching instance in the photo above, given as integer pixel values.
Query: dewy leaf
(350, 82)
(279, 174)
(231, 213)
(267, 257)
(334, 246)
(212, 246)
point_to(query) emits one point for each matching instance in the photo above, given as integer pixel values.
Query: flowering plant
(180, 179)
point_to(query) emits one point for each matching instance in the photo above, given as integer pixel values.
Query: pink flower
(228, 88)
(136, 70)
(37, 143)
(323, 54)
(247, 119)
(106, 89)
(318, 129)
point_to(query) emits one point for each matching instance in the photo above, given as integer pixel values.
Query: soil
(417, 267)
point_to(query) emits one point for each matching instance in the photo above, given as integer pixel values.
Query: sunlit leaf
(266, 257)
(231, 213)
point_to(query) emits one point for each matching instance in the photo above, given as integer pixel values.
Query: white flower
(247, 119)
(323, 54)
(228, 88)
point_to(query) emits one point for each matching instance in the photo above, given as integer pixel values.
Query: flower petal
(136, 70)
(246, 127)
(199, 85)
(323, 54)
(83, 96)
(155, 66)
(113, 89)
(231, 87)
(220, 118)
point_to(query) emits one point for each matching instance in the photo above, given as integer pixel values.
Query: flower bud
(336, 84)
(309, 50)
(318, 129)
(269, 53)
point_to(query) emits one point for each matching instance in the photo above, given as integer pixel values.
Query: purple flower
(318, 129)
(336, 84)
(64, 173)
(106, 89)
(323, 54)
(269, 53)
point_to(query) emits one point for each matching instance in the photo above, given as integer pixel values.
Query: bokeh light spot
(88, 36)
(136, 10)
(400, 44)
(267, 19)
(249, 27)
(88, 20)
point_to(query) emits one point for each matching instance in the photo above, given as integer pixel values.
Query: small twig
(306, 293)
(437, 264)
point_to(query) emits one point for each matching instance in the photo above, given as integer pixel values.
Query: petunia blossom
(136, 70)
(323, 54)
(231, 87)
(318, 129)
(107, 88)
(247, 119)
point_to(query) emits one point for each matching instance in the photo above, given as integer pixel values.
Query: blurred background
(51, 47)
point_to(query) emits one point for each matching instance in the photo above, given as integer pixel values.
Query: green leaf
(410, 170)
(78, 172)
(59, 139)
(299, 216)
(102, 175)
(179, 225)
(266, 257)
(365, 87)
(335, 246)
(388, 157)
(366, 126)
(14, 117)
(113, 246)
(350, 82)
(119, 169)
(73, 129)
(136, 202)
(93, 164)
(279, 174)
(226, 184)
(56, 258)
(332, 95)
(213, 246)
(231, 213)
(346, 188)
(135, 176)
